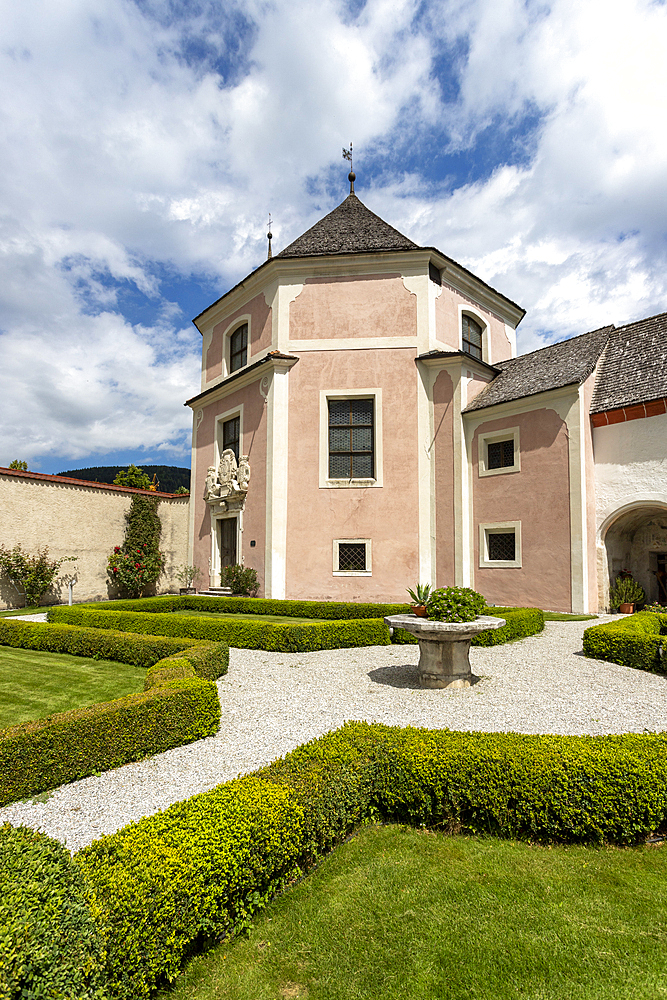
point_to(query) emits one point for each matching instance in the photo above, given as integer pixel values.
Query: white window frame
(221, 418)
(498, 528)
(352, 572)
(491, 437)
(227, 344)
(325, 483)
(484, 323)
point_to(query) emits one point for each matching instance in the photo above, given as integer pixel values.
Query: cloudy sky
(144, 144)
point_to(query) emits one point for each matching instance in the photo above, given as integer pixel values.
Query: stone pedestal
(444, 647)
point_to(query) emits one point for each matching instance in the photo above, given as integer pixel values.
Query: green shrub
(626, 590)
(125, 647)
(329, 610)
(279, 637)
(36, 756)
(241, 579)
(50, 943)
(454, 604)
(637, 641)
(189, 875)
(520, 622)
(182, 878)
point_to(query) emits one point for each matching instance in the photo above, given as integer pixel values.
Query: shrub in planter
(454, 604)
(626, 591)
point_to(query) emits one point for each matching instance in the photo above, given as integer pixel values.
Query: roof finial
(347, 155)
(269, 237)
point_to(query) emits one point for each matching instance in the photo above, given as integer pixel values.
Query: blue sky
(145, 142)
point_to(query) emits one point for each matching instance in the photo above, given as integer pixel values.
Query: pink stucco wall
(253, 444)
(260, 334)
(387, 515)
(364, 306)
(447, 327)
(538, 496)
(443, 416)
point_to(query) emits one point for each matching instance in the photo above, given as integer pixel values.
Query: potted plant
(625, 593)
(187, 575)
(454, 604)
(420, 596)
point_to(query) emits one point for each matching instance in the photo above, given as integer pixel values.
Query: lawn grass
(560, 616)
(34, 684)
(270, 619)
(33, 610)
(401, 913)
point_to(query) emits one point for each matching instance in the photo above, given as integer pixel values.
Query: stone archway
(634, 538)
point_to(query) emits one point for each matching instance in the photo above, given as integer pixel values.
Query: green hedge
(140, 650)
(36, 756)
(521, 622)
(50, 942)
(330, 610)
(636, 641)
(179, 704)
(196, 872)
(242, 634)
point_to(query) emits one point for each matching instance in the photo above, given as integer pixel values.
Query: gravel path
(272, 702)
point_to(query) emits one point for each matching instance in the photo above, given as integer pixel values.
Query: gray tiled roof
(634, 366)
(569, 362)
(350, 228)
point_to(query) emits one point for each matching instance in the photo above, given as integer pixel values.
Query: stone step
(215, 592)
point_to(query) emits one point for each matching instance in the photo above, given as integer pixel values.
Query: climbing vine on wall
(138, 562)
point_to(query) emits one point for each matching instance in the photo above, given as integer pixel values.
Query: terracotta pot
(626, 609)
(419, 610)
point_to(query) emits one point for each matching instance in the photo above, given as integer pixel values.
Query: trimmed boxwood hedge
(179, 704)
(198, 871)
(243, 634)
(330, 610)
(50, 941)
(636, 641)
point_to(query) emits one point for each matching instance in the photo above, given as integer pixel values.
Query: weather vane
(269, 237)
(347, 155)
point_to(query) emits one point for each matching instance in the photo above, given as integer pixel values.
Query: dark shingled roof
(634, 366)
(350, 228)
(569, 362)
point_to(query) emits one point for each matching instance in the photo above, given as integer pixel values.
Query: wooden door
(228, 541)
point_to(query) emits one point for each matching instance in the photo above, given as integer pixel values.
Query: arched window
(471, 337)
(238, 348)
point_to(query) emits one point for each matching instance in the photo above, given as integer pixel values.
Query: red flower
(115, 569)
(136, 566)
(117, 548)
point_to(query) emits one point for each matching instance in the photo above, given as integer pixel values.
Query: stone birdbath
(444, 647)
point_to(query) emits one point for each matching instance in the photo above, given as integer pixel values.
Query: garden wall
(77, 518)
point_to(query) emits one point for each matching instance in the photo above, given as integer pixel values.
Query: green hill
(170, 477)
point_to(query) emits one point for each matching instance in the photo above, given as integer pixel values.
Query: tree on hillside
(134, 477)
(17, 464)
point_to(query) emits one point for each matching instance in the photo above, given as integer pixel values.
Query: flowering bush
(138, 562)
(31, 575)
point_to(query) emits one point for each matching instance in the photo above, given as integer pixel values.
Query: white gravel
(272, 702)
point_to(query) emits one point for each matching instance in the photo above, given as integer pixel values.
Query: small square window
(500, 454)
(500, 545)
(352, 557)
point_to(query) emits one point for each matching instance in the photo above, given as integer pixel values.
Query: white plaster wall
(630, 462)
(81, 521)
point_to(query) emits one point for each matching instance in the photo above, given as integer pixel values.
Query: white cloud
(135, 141)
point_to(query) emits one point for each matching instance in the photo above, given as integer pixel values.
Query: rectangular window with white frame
(499, 452)
(350, 439)
(500, 545)
(352, 557)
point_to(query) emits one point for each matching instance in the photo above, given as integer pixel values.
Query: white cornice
(226, 388)
(297, 270)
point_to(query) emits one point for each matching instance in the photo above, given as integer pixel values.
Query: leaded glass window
(238, 348)
(500, 454)
(351, 453)
(472, 337)
(502, 546)
(231, 433)
(351, 557)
